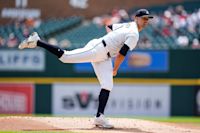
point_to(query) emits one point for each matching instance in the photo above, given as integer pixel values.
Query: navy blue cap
(143, 13)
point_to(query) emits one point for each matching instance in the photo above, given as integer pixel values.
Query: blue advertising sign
(146, 61)
(137, 61)
(26, 60)
(83, 67)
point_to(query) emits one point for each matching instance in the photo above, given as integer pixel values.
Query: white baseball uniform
(99, 53)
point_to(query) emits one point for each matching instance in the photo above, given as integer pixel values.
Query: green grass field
(173, 119)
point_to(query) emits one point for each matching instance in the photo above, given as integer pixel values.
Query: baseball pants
(96, 53)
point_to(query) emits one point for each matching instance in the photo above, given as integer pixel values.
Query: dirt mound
(76, 124)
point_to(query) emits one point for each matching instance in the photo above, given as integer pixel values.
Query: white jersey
(123, 33)
(96, 52)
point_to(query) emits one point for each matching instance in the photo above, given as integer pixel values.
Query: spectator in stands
(195, 44)
(12, 40)
(2, 42)
(124, 17)
(25, 32)
(193, 21)
(53, 41)
(65, 44)
(166, 31)
(183, 40)
(37, 22)
(144, 43)
(29, 22)
(97, 20)
(167, 17)
(117, 16)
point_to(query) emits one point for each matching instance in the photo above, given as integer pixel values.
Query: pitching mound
(84, 125)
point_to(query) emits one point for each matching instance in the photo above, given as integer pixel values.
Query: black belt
(104, 44)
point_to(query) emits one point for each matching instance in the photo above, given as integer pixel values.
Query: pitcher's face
(142, 21)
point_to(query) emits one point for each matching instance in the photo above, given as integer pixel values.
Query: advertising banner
(125, 99)
(146, 61)
(16, 98)
(26, 60)
(137, 61)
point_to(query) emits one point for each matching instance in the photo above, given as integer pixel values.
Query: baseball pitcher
(116, 43)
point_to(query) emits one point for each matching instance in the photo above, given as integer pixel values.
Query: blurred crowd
(175, 22)
(21, 26)
(116, 16)
(181, 25)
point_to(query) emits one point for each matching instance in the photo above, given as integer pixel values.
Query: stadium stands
(53, 26)
(173, 27)
(82, 34)
(46, 29)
